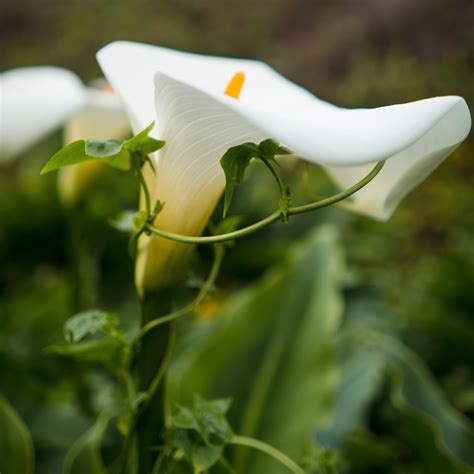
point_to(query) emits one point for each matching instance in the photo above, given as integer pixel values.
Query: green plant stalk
(153, 357)
(82, 291)
(274, 217)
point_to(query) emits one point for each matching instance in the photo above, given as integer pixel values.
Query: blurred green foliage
(410, 280)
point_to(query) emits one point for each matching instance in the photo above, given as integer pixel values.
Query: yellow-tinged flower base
(161, 262)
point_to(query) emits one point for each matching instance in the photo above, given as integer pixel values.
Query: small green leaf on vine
(111, 152)
(139, 221)
(234, 163)
(199, 434)
(236, 160)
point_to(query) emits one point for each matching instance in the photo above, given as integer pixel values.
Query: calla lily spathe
(33, 102)
(184, 93)
(102, 116)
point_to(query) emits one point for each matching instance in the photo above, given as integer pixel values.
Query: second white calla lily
(33, 102)
(185, 94)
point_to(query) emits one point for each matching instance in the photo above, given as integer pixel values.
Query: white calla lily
(101, 117)
(33, 102)
(184, 93)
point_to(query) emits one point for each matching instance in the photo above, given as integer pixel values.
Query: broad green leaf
(273, 349)
(424, 441)
(84, 455)
(361, 379)
(16, 446)
(414, 391)
(234, 163)
(442, 437)
(89, 323)
(142, 143)
(107, 151)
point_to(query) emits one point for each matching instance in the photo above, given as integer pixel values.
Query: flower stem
(143, 185)
(153, 357)
(267, 449)
(275, 216)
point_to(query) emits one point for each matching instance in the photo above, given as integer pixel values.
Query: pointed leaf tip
(234, 163)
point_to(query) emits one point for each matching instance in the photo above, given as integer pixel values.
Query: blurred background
(410, 279)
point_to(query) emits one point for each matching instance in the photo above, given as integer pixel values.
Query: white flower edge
(33, 102)
(414, 137)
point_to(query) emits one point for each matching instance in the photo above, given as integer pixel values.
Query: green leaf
(142, 143)
(204, 457)
(234, 163)
(361, 379)
(107, 151)
(139, 220)
(159, 205)
(270, 149)
(103, 148)
(16, 446)
(236, 160)
(111, 351)
(89, 323)
(440, 435)
(274, 348)
(318, 460)
(230, 224)
(207, 418)
(111, 152)
(93, 337)
(414, 391)
(201, 432)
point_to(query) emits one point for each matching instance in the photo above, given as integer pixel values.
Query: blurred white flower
(101, 117)
(33, 102)
(184, 93)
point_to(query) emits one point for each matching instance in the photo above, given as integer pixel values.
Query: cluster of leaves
(197, 436)
(92, 336)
